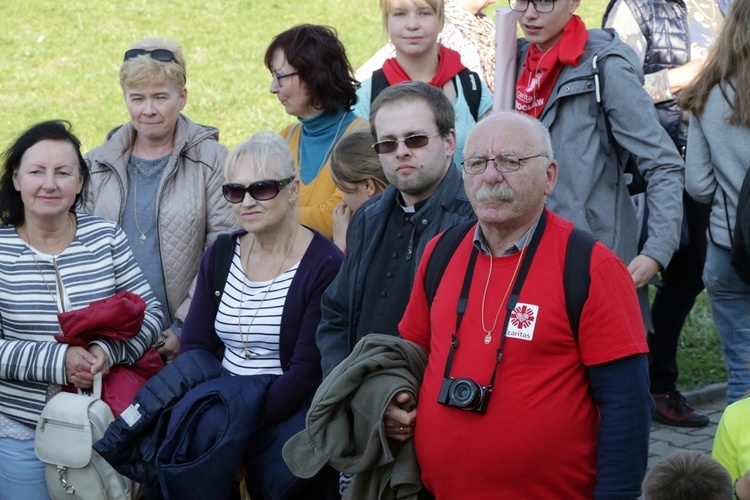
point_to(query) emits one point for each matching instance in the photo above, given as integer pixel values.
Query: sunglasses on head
(162, 55)
(411, 142)
(264, 190)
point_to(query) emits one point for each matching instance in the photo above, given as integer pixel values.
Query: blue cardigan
(300, 358)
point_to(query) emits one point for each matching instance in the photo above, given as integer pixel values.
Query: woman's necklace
(488, 332)
(325, 157)
(136, 174)
(33, 251)
(245, 347)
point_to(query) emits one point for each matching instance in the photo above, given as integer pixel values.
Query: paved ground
(666, 439)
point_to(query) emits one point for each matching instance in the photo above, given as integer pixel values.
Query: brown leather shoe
(673, 409)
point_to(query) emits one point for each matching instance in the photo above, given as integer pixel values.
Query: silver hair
(540, 132)
(264, 150)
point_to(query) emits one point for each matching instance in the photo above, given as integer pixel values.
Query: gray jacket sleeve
(700, 180)
(636, 128)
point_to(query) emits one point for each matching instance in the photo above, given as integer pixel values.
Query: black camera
(465, 394)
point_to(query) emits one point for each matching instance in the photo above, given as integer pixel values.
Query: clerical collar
(481, 244)
(412, 209)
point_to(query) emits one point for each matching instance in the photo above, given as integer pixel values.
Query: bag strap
(636, 184)
(378, 83)
(96, 391)
(576, 271)
(472, 89)
(470, 84)
(222, 262)
(445, 246)
(577, 275)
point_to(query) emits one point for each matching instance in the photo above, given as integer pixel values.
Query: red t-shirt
(538, 436)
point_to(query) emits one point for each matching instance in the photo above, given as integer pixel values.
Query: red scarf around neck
(541, 69)
(449, 65)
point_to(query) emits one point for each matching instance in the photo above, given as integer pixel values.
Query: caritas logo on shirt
(523, 322)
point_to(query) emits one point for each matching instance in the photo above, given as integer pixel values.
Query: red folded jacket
(117, 317)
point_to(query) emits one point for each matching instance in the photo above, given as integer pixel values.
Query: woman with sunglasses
(413, 27)
(159, 176)
(320, 96)
(263, 317)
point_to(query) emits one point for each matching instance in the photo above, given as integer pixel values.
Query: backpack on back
(740, 237)
(470, 83)
(576, 271)
(68, 427)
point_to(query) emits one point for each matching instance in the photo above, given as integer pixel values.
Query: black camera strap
(463, 299)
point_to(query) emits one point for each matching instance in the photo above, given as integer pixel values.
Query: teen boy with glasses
(586, 86)
(412, 125)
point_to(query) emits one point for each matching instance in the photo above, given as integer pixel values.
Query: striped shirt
(248, 321)
(97, 264)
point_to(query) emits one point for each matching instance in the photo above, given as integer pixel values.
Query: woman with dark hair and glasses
(160, 177)
(321, 97)
(53, 260)
(269, 308)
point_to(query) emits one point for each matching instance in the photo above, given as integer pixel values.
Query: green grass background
(60, 59)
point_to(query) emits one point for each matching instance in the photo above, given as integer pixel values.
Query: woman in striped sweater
(52, 260)
(268, 313)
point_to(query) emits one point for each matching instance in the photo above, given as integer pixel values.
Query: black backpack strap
(222, 262)
(378, 83)
(444, 248)
(470, 83)
(739, 238)
(577, 275)
(472, 88)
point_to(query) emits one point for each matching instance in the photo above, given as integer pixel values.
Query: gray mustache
(494, 193)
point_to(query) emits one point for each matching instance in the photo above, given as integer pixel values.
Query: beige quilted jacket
(191, 211)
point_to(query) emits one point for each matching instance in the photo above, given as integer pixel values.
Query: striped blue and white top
(96, 265)
(249, 320)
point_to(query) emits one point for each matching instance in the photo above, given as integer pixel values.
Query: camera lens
(464, 393)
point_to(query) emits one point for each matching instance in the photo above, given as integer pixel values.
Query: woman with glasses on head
(321, 97)
(160, 177)
(413, 27)
(263, 319)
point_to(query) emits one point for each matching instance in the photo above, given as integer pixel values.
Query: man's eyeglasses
(264, 190)
(503, 163)
(541, 6)
(411, 142)
(161, 55)
(279, 78)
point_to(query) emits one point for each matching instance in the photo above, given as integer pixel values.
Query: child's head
(356, 169)
(388, 7)
(687, 475)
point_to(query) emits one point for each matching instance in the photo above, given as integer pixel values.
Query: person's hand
(684, 75)
(78, 363)
(342, 215)
(168, 345)
(102, 361)
(742, 488)
(399, 423)
(84, 379)
(642, 269)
